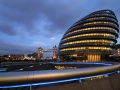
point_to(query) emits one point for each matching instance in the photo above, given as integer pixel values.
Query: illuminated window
(93, 28)
(91, 35)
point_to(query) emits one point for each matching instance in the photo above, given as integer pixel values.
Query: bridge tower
(54, 52)
(40, 53)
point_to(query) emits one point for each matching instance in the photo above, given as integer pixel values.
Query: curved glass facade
(90, 39)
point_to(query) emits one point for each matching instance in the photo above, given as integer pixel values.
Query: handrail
(29, 77)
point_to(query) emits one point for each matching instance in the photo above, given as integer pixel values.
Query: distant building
(54, 52)
(30, 56)
(114, 52)
(40, 53)
(117, 50)
(12, 57)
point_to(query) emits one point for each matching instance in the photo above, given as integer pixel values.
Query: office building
(90, 39)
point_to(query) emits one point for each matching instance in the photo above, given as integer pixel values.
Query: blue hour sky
(26, 25)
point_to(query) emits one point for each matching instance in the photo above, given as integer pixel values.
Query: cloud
(12, 48)
(6, 28)
(52, 38)
(25, 13)
(39, 44)
(30, 21)
(57, 16)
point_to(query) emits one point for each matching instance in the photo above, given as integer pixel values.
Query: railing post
(79, 79)
(30, 87)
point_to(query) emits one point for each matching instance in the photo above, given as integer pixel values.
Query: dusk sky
(26, 25)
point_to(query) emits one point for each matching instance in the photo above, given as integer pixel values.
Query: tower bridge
(41, 51)
(48, 50)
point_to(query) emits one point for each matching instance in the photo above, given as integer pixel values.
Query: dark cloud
(6, 28)
(25, 13)
(15, 48)
(11, 48)
(59, 15)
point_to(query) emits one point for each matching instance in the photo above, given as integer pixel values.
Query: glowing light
(106, 75)
(106, 64)
(3, 69)
(53, 38)
(21, 68)
(92, 76)
(31, 66)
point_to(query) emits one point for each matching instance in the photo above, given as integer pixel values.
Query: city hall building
(90, 39)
